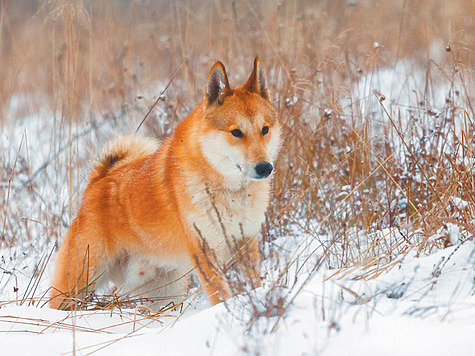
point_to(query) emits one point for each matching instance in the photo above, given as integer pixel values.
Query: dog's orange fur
(164, 204)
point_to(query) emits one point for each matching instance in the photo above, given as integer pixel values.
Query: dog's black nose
(263, 169)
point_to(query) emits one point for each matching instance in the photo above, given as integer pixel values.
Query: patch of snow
(422, 305)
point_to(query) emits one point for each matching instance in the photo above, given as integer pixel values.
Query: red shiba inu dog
(156, 212)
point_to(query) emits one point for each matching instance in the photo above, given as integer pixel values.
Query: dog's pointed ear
(216, 84)
(257, 81)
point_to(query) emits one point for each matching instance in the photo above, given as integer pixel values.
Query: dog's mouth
(255, 177)
(244, 173)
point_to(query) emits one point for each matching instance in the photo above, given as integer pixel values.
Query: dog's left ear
(217, 83)
(257, 81)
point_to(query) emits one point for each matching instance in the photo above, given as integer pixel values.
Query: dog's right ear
(217, 83)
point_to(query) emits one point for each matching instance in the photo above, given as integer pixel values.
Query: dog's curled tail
(121, 151)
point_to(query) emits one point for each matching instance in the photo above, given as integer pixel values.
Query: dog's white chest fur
(226, 215)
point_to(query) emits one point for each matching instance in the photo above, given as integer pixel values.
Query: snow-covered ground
(422, 305)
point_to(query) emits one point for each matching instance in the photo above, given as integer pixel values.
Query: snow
(403, 336)
(423, 305)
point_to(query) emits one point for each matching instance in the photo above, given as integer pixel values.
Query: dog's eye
(265, 130)
(237, 133)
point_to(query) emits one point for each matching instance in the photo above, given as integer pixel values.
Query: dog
(152, 213)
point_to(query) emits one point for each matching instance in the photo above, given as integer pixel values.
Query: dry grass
(368, 178)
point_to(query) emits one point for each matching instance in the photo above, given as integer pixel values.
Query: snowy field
(420, 305)
(369, 241)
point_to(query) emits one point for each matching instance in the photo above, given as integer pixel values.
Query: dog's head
(242, 138)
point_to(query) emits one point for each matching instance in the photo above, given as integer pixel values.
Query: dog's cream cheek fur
(223, 157)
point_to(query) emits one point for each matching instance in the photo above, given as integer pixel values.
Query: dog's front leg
(211, 273)
(247, 254)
